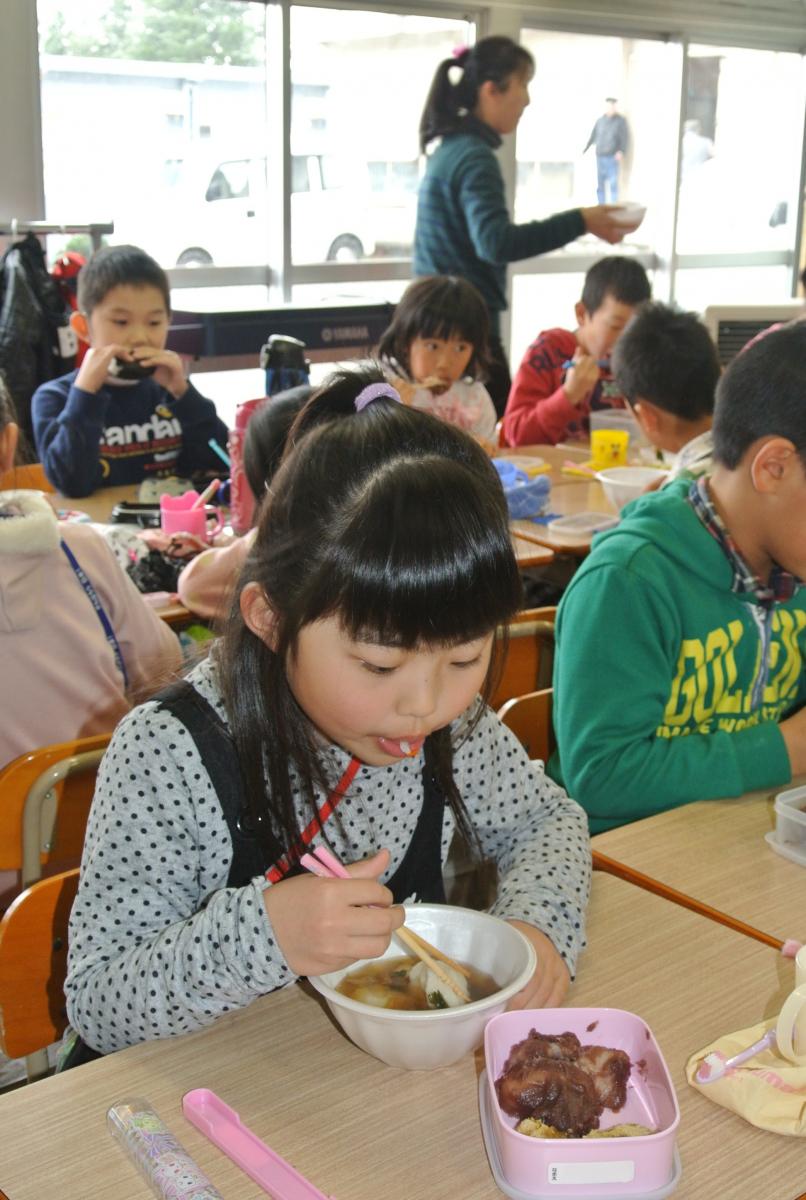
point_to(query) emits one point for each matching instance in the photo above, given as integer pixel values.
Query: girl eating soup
(341, 707)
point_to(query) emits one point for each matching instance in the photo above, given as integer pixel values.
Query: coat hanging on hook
(36, 342)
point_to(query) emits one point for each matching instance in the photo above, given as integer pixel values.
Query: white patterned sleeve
(536, 834)
(158, 944)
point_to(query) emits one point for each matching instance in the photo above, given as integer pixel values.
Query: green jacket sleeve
(618, 640)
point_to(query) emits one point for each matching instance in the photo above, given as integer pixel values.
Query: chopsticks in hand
(321, 862)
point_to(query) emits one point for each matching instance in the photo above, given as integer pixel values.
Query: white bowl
(622, 484)
(421, 1041)
(629, 214)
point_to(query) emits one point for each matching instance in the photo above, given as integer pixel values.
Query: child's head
(759, 434)
(266, 436)
(366, 611)
(489, 80)
(667, 368)
(9, 430)
(439, 330)
(123, 297)
(613, 287)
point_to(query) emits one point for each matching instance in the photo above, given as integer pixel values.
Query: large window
(358, 83)
(188, 154)
(273, 147)
(559, 164)
(144, 113)
(739, 173)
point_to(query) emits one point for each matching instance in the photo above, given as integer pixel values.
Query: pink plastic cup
(177, 515)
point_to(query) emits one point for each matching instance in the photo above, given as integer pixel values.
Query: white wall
(21, 193)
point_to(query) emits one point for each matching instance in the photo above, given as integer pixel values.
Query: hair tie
(374, 391)
(460, 51)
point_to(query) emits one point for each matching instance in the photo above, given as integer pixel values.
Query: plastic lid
(582, 524)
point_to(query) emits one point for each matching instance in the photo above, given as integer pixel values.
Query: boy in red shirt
(564, 376)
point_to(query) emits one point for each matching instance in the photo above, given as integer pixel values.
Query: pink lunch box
(576, 1167)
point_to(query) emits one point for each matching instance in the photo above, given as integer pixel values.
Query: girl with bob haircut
(340, 707)
(435, 350)
(463, 224)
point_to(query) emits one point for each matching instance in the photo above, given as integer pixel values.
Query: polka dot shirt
(159, 945)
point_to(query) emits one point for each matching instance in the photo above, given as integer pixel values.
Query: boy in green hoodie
(679, 672)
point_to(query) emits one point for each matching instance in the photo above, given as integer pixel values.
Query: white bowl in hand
(628, 214)
(423, 1040)
(622, 484)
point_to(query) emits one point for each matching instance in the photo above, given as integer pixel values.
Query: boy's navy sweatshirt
(121, 434)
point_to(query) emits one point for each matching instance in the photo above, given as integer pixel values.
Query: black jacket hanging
(36, 342)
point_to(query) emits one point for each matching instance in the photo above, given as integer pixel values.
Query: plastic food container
(582, 525)
(623, 484)
(619, 418)
(576, 1167)
(789, 836)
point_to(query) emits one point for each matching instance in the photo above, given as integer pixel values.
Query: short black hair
(668, 358)
(113, 266)
(763, 394)
(439, 306)
(622, 278)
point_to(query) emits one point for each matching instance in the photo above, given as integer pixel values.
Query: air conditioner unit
(732, 326)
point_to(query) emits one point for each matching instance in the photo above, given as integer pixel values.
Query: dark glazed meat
(563, 1083)
(539, 1045)
(609, 1070)
(553, 1090)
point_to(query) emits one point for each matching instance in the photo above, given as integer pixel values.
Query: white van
(216, 211)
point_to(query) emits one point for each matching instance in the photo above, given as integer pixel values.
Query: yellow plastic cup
(609, 448)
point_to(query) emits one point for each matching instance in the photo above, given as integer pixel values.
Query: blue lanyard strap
(99, 608)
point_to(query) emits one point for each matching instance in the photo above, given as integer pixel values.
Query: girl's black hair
(266, 436)
(451, 99)
(440, 306)
(396, 523)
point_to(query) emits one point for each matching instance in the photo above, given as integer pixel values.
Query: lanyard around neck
(283, 865)
(99, 610)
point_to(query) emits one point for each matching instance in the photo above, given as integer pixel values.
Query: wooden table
(554, 456)
(567, 499)
(714, 851)
(528, 552)
(361, 1130)
(99, 505)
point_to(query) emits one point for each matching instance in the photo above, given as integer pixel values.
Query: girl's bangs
(429, 566)
(447, 324)
(436, 600)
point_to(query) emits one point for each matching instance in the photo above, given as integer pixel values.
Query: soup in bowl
(426, 1038)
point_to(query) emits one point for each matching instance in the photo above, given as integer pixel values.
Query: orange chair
(33, 967)
(530, 655)
(45, 798)
(31, 477)
(529, 718)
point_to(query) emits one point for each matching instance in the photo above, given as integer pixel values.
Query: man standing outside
(610, 136)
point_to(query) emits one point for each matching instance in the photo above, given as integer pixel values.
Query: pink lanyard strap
(283, 865)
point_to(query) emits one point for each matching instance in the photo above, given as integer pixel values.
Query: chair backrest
(33, 965)
(530, 655)
(30, 477)
(529, 718)
(45, 798)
